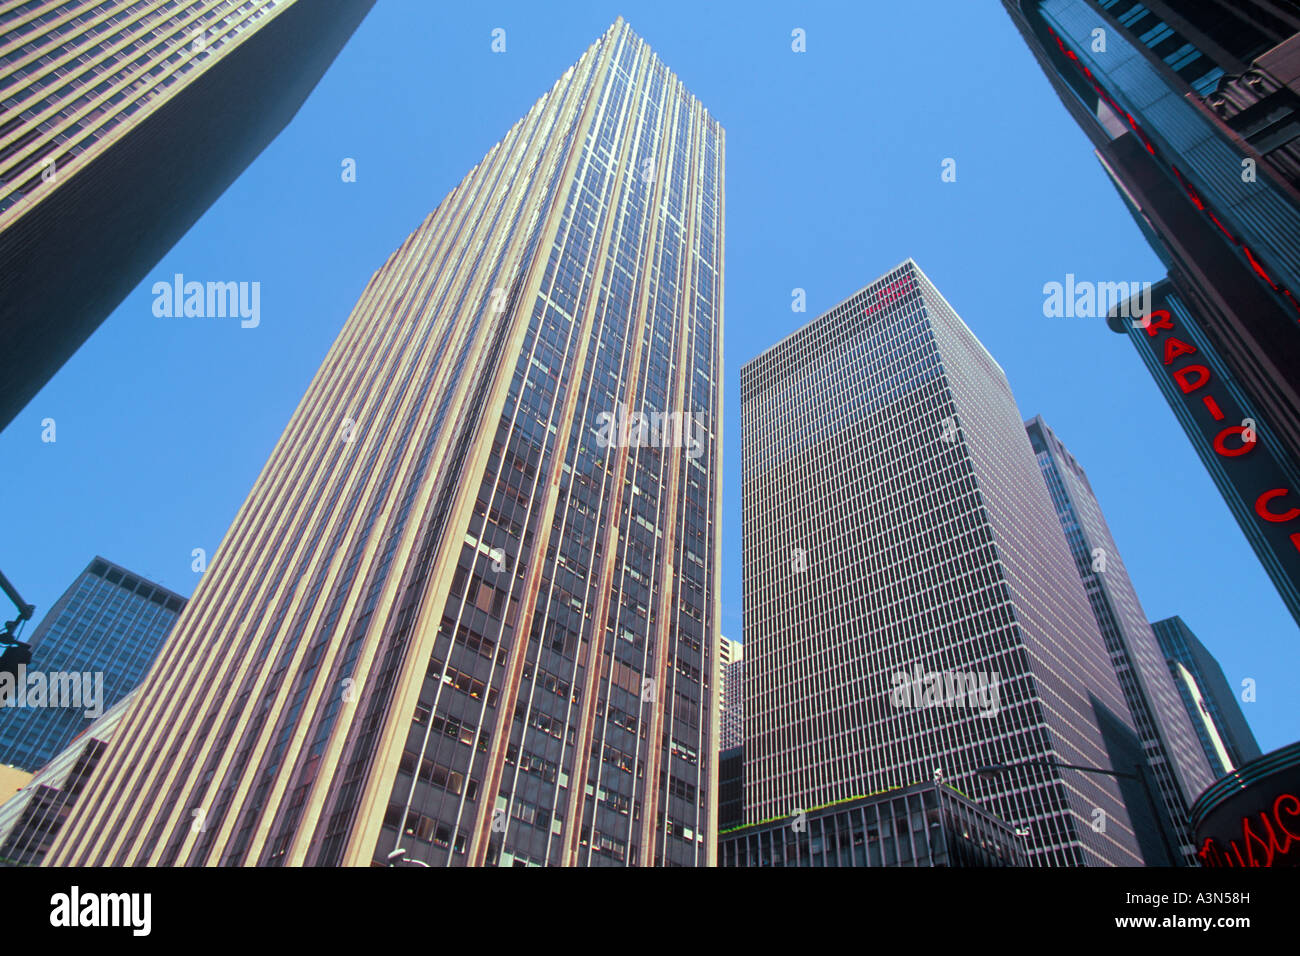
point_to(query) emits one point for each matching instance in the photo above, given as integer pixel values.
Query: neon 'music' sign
(1266, 838)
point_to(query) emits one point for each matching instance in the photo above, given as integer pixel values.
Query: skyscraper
(731, 665)
(467, 614)
(118, 133)
(1184, 653)
(911, 608)
(1194, 110)
(731, 755)
(99, 637)
(1168, 737)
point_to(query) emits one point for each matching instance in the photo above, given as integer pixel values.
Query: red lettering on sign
(1153, 324)
(1176, 347)
(1274, 840)
(1221, 445)
(1261, 506)
(1184, 373)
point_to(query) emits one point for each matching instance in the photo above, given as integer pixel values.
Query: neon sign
(1265, 838)
(1233, 441)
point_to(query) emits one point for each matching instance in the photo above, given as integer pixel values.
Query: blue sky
(833, 176)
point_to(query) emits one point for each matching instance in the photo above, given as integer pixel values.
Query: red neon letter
(1181, 376)
(1159, 319)
(1261, 506)
(1176, 347)
(1293, 811)
(1222, 448)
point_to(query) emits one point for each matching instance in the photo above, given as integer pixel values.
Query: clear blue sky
(833, 177)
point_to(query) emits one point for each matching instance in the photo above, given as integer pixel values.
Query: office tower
(1193, 109)
(467, 614)
(927, 824)
(1258, 481)
(731, 663)
(1168, 737)
(731, 753)
(30, 821)
(118, 132)
(1228, 741)
(911, 606)
(92, 647)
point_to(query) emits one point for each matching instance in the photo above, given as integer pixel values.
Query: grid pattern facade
(75, 72)
(30, 820)
(894, 519)
(451, 622)
(117, 133)
(1168, 737)
(732, 665)
(110, 622)
(1181, 647)
(926, 825)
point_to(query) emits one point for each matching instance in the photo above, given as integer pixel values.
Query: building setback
(468, 615)
(910, 603)
(1194, 110)
(1220, 722)
(108, 626)
(118, 133)
(1168, 737)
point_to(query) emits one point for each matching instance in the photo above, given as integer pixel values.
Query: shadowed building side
(120, 195)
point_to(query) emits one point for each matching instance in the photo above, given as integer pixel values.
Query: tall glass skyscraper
(467, 615)
(117, 133)
(109, 625)
(1208, 696)
(911, 608)
(1168, 737)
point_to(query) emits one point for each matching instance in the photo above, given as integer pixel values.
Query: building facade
(1170, 742)
(99, 638)
(118, 134)
(731, 788)
(911, 606)
(924, 825)
(468, 613)
(732, 665)
(1194, 112)
(31, 820)
(1224, 734)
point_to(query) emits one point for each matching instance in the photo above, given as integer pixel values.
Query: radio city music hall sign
(1268, 838)
(1278, 505)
